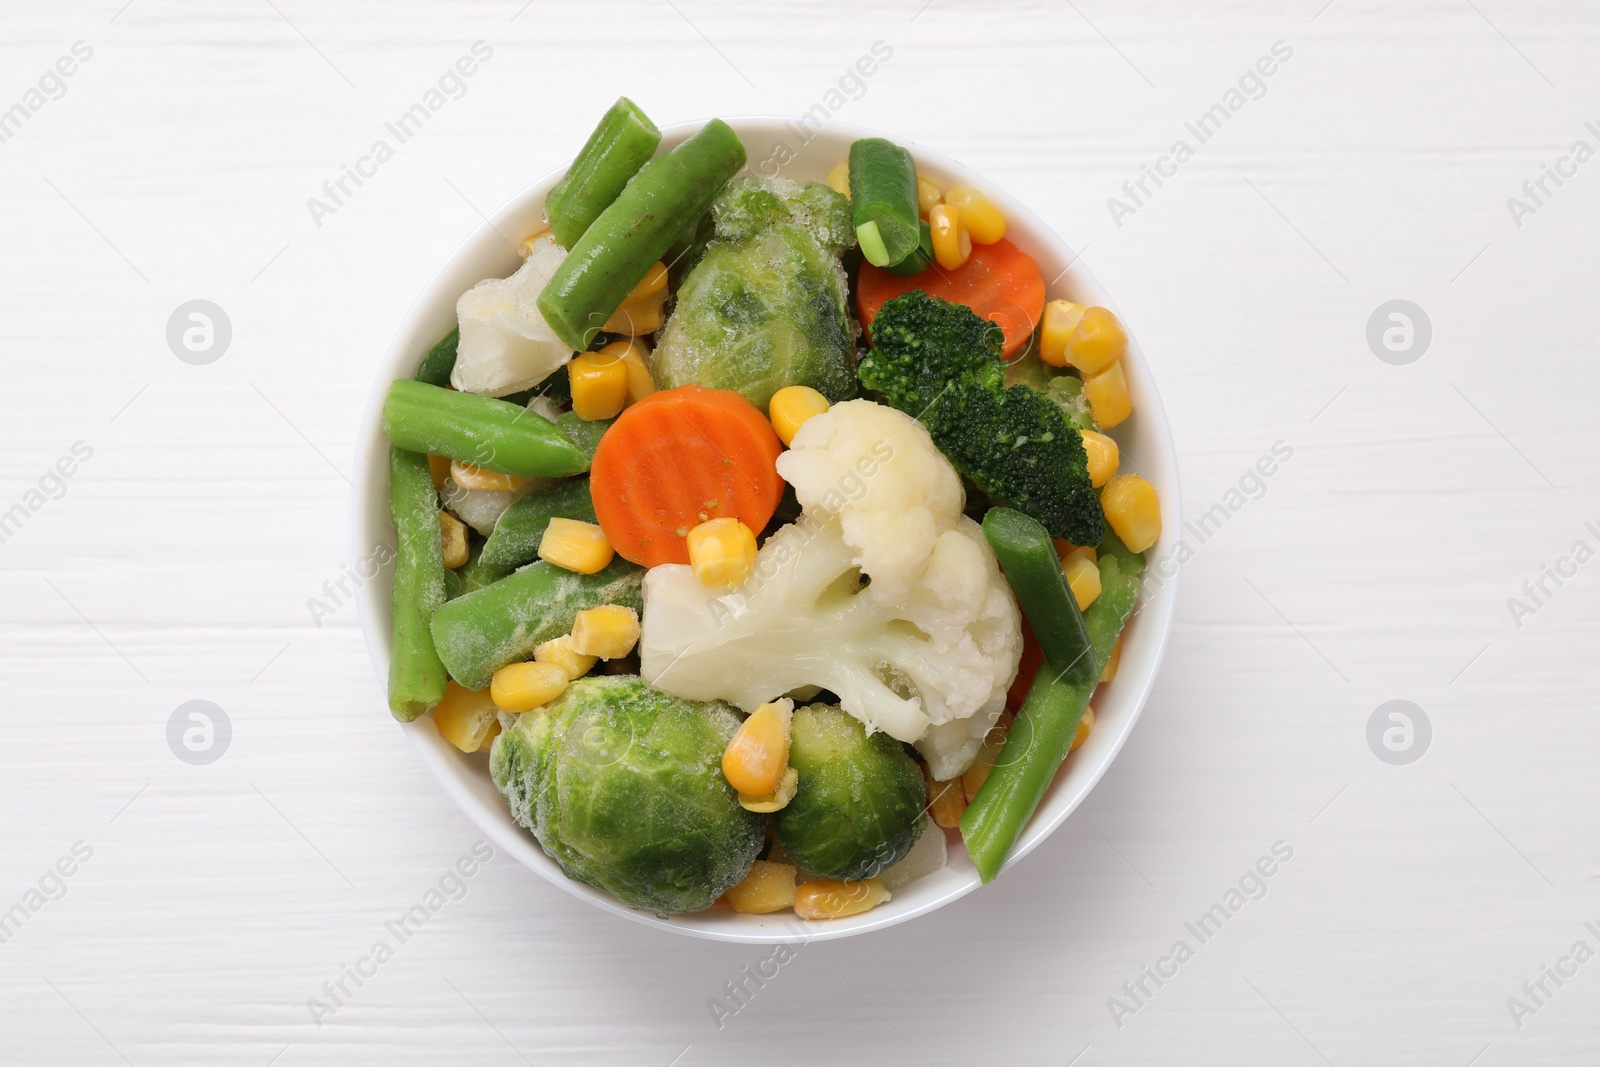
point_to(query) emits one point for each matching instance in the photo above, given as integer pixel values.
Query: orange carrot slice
(676, 459)
(1000, 282)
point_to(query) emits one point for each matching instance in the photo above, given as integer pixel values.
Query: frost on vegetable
(506, 345)
(859, 803)
(883, 593)
(623, 787)
(765, 305)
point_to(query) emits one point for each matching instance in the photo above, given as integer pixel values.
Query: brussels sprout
(860, 803)
(764, 307)
(623, 786)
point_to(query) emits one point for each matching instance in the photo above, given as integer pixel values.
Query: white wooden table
(204, 520)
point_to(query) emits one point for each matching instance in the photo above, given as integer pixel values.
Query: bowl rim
(1156, 607)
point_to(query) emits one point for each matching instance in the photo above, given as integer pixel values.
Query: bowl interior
(781, 147)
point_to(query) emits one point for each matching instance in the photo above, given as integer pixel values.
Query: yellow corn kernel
(722, 551)
(776, 800)
(928, 195)
(653, 282)
(1056, 327)
(1132, 510)
(637, 317)
(1082, 575)
(469, 477)
(793, 405)
(754, 761)
(973, 777)
(525, 246)
(453, 532)
(561, 652)
(1103, 457)
(1071, 552)
(825, 899)
(632, 352)
(1111, 662)
(575, 545)
(488, 738)
(839, 178)
(608, 632)
(641, 311)
(1085, 728)
(947, 800)
(951, 243)
(981, 218)
(525, 686)
(767, 888)
(599, 385)
(1098, 341)
(1108, 397)
(439, 469)
(463, 716)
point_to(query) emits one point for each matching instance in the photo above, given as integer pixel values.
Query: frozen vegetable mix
(764, 538)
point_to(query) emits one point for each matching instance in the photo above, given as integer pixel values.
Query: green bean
(1028, 557)
(618, 248)
(623, 142)
(1111, 545)
(921, 257)
(416, 674)
(481, 632)
(517, 534)
(454, 584)
(476, 574)
(585, 433)
(1042, 734)
(479, 430)
(883, 201)
(440, 360)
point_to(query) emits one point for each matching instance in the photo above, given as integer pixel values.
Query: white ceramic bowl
(1145, 439)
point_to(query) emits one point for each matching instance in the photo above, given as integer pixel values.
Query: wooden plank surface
(177, 561)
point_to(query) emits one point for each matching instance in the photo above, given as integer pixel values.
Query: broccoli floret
(941, 362)
(922, 345)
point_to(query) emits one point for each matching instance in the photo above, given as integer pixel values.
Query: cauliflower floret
(925, 651)
(506, 346)
(481, 508)
(877, 470)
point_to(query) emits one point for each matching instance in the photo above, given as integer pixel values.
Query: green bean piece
(454, 584)
(1042, 734)
(1111, 545)
(440, 360)
(623, 142)
(883, 201)
(921, 257)
(517, 534)
(479, 430)
(476, 574)
(585, 433)
(1028, 557)
(481, 632)
(416, 674)
(636, 230)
